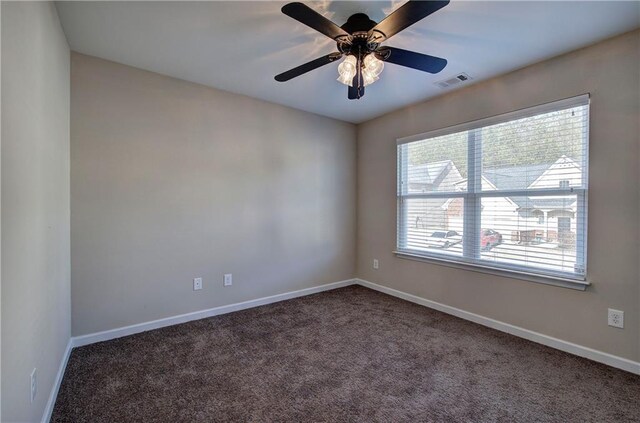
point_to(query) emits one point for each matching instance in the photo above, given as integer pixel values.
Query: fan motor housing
(358, 25)
(358, 22)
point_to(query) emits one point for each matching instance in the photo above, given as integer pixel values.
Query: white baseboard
(51, 402)
(579, 350)
(107, 335)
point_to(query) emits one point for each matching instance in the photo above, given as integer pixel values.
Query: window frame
(471, 257)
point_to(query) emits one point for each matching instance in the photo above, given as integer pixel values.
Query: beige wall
(172, 180)
(610, 72)
(35, 205)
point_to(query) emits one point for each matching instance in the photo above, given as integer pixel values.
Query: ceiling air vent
(456, 80)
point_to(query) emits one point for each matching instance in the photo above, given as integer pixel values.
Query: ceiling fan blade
(309, 66)
(411, 59)
(313, 19)
(352, 94)
(405, 16)
(356, 89)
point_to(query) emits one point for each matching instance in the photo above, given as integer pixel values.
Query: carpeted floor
(348, 355)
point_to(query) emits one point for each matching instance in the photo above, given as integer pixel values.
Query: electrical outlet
(376, 264)
(34, 384)
(616, 318)
(197, 284)
(228, 279)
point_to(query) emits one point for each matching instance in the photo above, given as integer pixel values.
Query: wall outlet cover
(197, 284)
(616, 318)
(228, 279)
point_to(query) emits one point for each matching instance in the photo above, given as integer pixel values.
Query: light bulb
(373, 65)
(368, 77)
(346, 79)
(347, 70)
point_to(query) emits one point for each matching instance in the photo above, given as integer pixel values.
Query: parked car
(443, 239)
(490, 239)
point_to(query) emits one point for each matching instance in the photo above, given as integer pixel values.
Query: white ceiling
(241, 46)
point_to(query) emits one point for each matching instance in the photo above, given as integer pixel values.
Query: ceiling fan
(359, 39)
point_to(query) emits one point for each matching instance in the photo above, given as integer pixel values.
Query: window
(507, 193)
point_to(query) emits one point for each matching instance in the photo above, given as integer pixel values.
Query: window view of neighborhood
(526, 203)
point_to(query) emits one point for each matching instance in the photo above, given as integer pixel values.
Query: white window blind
(507, 192)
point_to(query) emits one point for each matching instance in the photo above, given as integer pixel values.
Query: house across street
(540, 230)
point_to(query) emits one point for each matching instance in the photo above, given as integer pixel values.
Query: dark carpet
(348, 355)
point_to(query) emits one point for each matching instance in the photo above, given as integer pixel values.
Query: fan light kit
(370, 71)
(358, 41)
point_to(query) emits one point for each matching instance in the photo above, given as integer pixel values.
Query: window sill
(543, 279)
